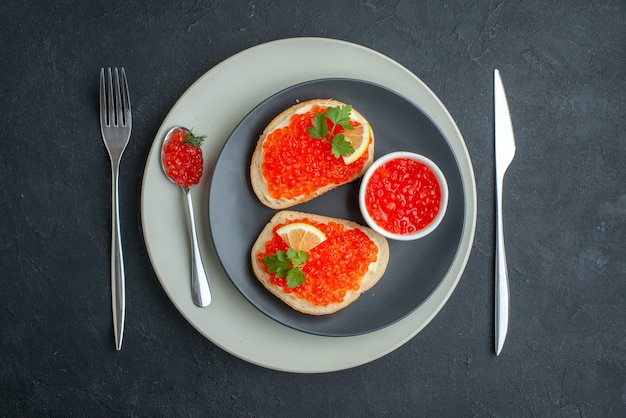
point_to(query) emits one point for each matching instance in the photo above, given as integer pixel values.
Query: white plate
(213, 106)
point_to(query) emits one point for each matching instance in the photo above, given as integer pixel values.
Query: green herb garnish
(338, 116)
(191, 139)
(285, 264)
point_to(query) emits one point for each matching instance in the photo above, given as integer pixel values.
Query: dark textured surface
(564, 68)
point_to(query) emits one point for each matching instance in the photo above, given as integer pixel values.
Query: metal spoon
(200, 292)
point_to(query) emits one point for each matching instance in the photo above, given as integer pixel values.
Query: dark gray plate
(415, 268)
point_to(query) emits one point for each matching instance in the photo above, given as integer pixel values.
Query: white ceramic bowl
(443, 203)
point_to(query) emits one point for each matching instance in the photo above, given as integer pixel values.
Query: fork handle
(118, 293)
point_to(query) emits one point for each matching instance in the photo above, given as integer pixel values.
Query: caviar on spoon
(181, 158)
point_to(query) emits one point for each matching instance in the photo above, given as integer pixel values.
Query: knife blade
(504, 153)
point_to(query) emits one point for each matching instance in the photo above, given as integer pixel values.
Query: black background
(564, 68)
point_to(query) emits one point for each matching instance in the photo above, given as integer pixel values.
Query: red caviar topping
(295, 164)
(334, 266)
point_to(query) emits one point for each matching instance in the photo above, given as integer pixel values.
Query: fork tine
(110, 103)
(103, 108)
(127, 120)
(118, 100)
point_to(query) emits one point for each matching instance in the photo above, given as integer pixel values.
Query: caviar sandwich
(317, 264)
(310, 149)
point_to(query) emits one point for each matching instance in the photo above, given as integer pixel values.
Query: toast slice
(353, 252)
(280, 183)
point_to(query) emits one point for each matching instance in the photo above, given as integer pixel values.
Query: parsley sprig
(287, 264)
(338, 116)
(192, 139)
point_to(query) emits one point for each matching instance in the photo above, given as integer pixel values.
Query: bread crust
(259, 184)
(374, 274)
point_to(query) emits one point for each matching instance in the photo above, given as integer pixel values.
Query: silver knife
(505, 151)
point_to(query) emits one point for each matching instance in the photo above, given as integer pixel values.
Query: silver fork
(115, 126)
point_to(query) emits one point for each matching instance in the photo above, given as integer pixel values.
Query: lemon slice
(359, 137)
(301, 236)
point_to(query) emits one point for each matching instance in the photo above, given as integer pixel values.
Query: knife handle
(502, 280)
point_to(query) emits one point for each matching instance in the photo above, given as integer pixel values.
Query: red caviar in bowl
(334, 267)
(294, 164)
(403, 196)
